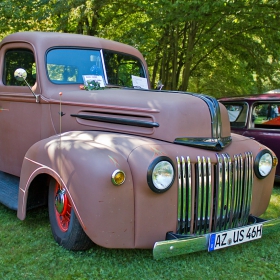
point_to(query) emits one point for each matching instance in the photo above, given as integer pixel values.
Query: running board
(9, 185)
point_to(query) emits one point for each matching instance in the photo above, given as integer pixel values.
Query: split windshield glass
(71, 66)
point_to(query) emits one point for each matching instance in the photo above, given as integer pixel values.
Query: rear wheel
(65, 226)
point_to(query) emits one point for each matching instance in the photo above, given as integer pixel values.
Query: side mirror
(21, 75)
(159, 85)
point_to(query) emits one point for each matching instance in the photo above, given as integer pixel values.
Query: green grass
(28, 251)
(260, 120)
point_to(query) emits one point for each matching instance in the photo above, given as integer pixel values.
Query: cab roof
(47, 40)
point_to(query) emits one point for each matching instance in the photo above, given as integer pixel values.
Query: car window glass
(67, 66)
(19, 58)
(237, 114)
(266, 115)
(121, 67)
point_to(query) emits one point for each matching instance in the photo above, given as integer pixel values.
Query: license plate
(233, 237)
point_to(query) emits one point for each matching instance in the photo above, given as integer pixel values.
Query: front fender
(84, 167)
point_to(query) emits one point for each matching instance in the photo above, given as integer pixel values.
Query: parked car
(258, 117)
(120, 164)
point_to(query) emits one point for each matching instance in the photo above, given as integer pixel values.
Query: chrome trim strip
(235, 191)
(225, 191)
(104, 67)
(249, 183)
(189, 195)
(198, 197)
(179, 196)
(184, 194)
(210, 193)
(204, 143)
(215, 113)
(238, 185)
(245, 189)
(230, 194)
(239, 172)
(204, 204)
(175, 247)
(219, 188)
(122, 121)
(242, 190)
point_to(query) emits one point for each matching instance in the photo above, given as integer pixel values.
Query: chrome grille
(214, 196)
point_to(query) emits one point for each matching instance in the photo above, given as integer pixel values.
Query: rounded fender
(84, 166)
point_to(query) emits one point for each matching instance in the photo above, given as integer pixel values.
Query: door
(265, 125)
(20, 115)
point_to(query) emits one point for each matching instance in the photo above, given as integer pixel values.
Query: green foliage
(222, 47)
(184, 41)
(28, 251)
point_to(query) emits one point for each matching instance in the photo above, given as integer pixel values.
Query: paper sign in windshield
(139, 82)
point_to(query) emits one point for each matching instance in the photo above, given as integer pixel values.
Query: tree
(186, 41)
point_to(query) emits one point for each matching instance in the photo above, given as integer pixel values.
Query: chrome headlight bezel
(263, 164)
(157, 166)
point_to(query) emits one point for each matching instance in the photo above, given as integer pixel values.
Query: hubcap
(61, 202)
(62, 208)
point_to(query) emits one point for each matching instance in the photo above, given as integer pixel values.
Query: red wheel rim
(63, 218)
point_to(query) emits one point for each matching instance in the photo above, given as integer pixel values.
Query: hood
(176, 117)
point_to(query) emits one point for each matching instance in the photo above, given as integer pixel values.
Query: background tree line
(221, 47)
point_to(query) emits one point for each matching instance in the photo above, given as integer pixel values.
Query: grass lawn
(28, 251)
(260, 120)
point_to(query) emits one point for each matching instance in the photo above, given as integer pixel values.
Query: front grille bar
(214, 196)
(184, 193)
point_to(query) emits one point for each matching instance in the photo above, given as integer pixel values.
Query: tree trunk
(189, 55)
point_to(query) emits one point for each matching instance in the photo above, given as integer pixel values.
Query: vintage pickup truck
(119, 164)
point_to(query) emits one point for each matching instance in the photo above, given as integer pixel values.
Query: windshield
(237, 113)
(121, 68)
(68, 66)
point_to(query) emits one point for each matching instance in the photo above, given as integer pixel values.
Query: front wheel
(65, 226)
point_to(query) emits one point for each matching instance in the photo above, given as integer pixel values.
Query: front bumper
(191, 244)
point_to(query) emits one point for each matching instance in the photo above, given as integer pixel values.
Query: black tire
(72, 236)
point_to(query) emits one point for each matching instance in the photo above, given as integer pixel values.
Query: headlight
(161, 174)
(263, 163)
